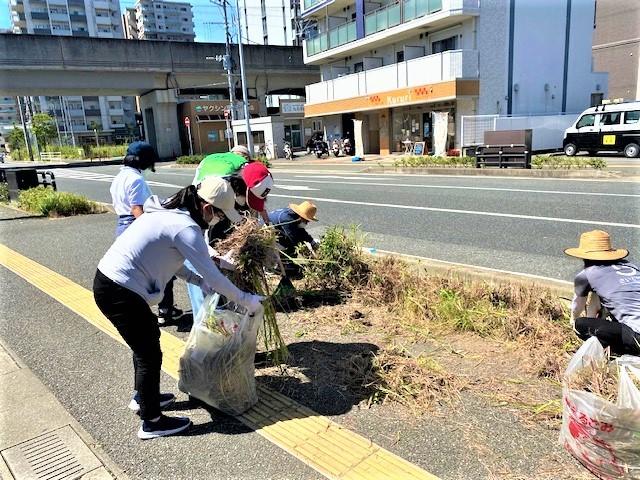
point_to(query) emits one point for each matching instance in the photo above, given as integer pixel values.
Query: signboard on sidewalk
(187, 122)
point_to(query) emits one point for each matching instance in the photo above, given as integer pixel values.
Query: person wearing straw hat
(290, 225)
(615, 285)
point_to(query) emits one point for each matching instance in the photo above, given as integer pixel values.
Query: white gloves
(252, 303)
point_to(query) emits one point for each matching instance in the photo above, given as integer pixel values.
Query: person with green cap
(614, 283)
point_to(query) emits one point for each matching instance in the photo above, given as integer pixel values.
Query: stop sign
(187, 122)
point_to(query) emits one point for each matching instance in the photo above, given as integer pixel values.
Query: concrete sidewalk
(39, 438)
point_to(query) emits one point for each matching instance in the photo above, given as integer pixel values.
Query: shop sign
(292, 107)
(218, 108)
(213, 136)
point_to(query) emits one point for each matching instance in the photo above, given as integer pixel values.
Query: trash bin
(20, 179)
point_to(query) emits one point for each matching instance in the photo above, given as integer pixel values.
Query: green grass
(4, 192)
(67, 152)
(429, 161)
(189, 159)
(49, 202)
(106, 151)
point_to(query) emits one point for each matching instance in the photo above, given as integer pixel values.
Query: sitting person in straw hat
(290, 224)
(616, 285)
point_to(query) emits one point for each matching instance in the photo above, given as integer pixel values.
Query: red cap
(259, 183)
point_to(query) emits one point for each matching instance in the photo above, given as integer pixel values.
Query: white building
(267, 22)
(159, 20)
(87, 18)
(410, 69)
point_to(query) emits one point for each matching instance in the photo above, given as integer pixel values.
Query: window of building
(611, 118)
(444, 45)
(596, 99)
(358, 67)
(258, 138)
(400, 56)
(632, 116)
(586, 121)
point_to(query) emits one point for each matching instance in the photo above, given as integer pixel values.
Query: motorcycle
(321, 148)
(288, 153)
(336, 147)
(347, 148)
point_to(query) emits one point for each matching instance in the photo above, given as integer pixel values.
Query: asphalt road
(514, 224)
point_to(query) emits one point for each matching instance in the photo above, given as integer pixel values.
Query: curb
(561, 288)
(500, 172)
(84, 163)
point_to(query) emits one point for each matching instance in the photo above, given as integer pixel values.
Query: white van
(614, 127)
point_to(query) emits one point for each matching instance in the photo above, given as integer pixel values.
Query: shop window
(258, 138)
(444, 45)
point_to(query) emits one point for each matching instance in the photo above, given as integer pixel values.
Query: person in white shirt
(129, 190)
(133, 273)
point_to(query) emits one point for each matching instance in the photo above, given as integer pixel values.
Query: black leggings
(616, 335)
(138, 326)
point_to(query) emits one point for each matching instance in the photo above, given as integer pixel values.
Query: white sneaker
(166, 399)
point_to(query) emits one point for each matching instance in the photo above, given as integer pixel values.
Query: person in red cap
(259, 182)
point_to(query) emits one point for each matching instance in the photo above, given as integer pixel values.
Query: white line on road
(458, 187)
(294, 187)
(463, 212)
(344, 177)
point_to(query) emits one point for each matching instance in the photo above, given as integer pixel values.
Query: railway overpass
(153, 70)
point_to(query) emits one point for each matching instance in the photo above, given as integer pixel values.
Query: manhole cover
(56, 455)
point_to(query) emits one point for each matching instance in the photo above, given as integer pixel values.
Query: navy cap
(141, 155)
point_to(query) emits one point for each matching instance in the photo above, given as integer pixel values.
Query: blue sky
(206, 17)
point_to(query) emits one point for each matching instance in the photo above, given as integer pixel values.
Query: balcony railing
(391, 15)
(333, 38)
(439, 67)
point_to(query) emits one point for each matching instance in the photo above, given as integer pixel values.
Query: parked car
(612, 127)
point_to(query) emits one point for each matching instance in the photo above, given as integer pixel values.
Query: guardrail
(49, 156)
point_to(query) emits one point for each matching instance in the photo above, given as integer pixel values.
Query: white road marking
(355, 176)
(458, 187)
(463, 212)
(100, 177)
(295, 187)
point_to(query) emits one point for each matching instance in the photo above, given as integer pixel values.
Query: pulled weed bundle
(254, 250)
(419, 383)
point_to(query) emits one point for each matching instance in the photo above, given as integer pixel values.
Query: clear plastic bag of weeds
(217, 366)
(604, 435)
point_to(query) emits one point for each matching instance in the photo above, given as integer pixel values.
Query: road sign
(226, 113)
(187, 122)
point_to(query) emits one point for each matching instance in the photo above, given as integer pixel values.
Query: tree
(15, 138)
(44, 128)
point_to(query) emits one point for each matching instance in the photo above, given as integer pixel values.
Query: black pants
(167, 300)
(616, 335)
(138, 326)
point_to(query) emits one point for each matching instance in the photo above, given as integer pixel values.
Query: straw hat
(596, 245)
(306, 210)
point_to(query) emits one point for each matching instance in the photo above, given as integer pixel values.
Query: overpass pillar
(160, 113)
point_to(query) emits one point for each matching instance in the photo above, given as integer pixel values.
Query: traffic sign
(187, 121)
(226, 113)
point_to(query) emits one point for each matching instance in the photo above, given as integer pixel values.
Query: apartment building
(84, 116)
(268, 22)
(159, 20)
(616, 46)
(410, 69)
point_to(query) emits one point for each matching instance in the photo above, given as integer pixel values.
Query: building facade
(616, 46)
(159, 20)
(83, 116)
(268, 22)
(409, 70)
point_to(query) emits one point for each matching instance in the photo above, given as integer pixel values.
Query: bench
(505, 148)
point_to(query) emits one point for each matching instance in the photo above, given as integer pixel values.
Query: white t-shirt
(128, 188)
(153, 249)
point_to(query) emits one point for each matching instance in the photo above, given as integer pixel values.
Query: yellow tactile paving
(325, 446)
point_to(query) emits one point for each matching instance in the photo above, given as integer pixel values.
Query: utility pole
(27, 139)
(245, 95)
(227, 63)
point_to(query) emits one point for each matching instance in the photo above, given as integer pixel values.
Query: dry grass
(425, 305)
(254, 250)
(419, 383)
(601, 378)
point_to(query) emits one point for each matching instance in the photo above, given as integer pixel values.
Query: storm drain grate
(57, 455)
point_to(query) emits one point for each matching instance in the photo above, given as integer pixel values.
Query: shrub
(566, 163)
(106, 151)
(189, 159)
(4, 192)
(429, 161)
(49, 202)
(67, 151)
